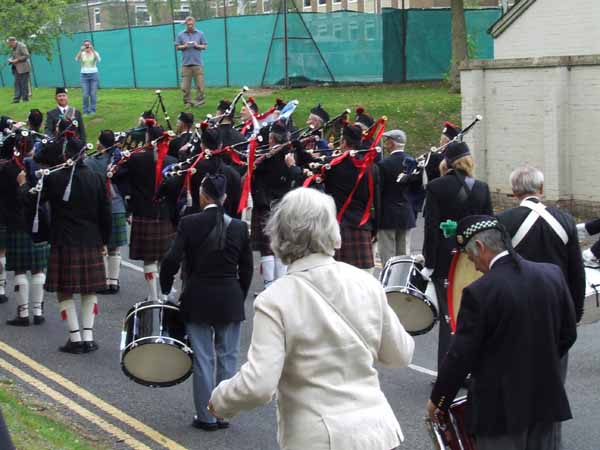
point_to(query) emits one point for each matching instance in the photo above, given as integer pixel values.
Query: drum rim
(428, 302)
(155, 305)
(185, 348)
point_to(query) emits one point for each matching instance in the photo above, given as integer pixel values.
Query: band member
(271, 180)
(340, 180)
(515, 324)
(22, 253)
(397, 213)
(63, 111)
(591, 256)
(362, 119)
(6, 152)
(227, 134)
(218, 271)
(105, 153)
(449, 132)
(185, 134)
(246, 114)
(455, 195)
(317, 118)
(80, 219)
(151, 229)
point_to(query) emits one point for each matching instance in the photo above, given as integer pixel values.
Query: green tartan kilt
(22, 254)
(118, 236)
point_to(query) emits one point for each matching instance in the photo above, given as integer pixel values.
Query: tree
(35, 22)
(459, 43)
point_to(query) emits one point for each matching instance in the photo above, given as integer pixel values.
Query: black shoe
(111, 289)
(90, 346)
(75, 348)
(19, 322)
(206, 426)
(38, 320)
(222, 424)
(15, 101)
(3, 298)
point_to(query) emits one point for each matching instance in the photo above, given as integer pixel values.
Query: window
(322, 2)
(307, 3)
(141, 16)
(337, 1)
(180, 14)
(266, 6)
(97, 20)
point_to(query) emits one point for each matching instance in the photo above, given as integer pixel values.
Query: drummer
(514, 325)
(218, 271)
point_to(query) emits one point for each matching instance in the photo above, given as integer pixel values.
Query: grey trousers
(21, 86)
(541, 436)
(392, 243)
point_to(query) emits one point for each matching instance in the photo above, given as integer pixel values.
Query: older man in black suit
(515, 324)
(217, 272)
(64, 111)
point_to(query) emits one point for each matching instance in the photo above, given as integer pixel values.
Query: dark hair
(107, 138)
(35, 118)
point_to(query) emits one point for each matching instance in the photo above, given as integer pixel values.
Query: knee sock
(89, 310)
(2, 275)
(37, 293)
(280, 268)
(69, 314)
(151, 275)
(113, 269)
(22, 294)
(267, 269)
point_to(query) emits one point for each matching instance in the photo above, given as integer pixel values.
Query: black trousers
(444, 335)
(5, 440)
(21, 86)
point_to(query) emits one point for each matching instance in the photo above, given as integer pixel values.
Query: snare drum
(591, 307)
(409, 294)
(462, 273)
(154, 347)
(451, 432)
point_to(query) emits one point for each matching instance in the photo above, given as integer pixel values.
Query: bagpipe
(423, 161)
(216, 120)
(311, 130)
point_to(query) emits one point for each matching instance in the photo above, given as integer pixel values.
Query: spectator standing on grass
(19, 61)
(88, 57)
(191, 42)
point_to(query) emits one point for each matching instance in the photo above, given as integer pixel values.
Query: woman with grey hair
(318, 332)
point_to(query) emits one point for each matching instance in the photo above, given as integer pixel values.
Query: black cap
(352, 134)
(73, 147)
(471, 225)
(252, 104)
(186, 117)
(450, 130)
(279, 128)
(50, 153)
(456, 150)
(60, 90)
(211, 138)
(35, 118)
(363, 118)
(214, 186)
(148, 115)
(279, 104)
(223, 105)
(320, 112)
(107, 138)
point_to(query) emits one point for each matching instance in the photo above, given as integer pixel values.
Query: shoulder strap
(349, 325)
(538, 210)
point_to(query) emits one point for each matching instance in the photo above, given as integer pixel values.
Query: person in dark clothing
(64, 111)
(218, 267)
(227, 134)
(449, 132)
(456, 194)
(515, 324)
(179, 146)
(591, 256)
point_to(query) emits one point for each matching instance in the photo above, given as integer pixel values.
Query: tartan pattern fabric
(357, 248)
(75, 270)
(118, 236)
(150, 238)
(2, 236)
(22, 254)
(260, 241)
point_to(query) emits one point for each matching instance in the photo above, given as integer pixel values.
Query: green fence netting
(397, 45)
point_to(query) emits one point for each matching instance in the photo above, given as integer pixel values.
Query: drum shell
(155, 324)
(591, 307)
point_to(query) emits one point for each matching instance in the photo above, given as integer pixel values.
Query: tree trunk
(459, 43)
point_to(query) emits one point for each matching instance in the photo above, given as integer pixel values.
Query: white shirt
(211, 205)
(497, 257)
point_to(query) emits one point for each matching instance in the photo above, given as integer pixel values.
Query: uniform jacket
(513, 328)
(327, 386)
(13, 216)
(441, 204)
(271, 180)
(53, 116)
(542, 244)
(216, 283)
(396, 208)
(230, 135)
(21, 54)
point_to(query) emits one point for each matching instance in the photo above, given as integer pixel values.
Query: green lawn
(418, 109)
(31, 427)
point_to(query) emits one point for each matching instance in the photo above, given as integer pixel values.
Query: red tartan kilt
(75, 270)
(357, 248)
(260, 241)
(150, 238)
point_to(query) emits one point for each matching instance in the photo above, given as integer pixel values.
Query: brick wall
(543, 112)
(552, 28)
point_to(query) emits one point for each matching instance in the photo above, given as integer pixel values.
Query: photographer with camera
(88, 58)
(191, 42)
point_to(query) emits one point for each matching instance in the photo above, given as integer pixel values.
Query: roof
(510, 17)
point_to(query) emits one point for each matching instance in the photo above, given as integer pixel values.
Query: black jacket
(542, 244)
(216, 283)
(514, 326)
(230, 135)
(86, 219)
(271, 180)
(397, 211)
(442, 203)
(13, 215)
(53, 116)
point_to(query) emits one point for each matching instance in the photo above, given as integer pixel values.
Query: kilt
(22, 254)
(150, 238)
(76, 270)
(2, 236)
(357, 248)
(260, 241)
(118, 236)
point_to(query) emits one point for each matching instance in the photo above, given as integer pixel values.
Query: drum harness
(538, 210)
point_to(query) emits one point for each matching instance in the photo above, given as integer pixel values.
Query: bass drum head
(462, 273)
(416, 313)
(145, 364)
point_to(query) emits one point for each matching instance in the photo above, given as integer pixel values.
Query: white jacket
(327, 387)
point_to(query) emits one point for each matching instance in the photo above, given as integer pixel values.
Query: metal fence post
(130, 45)
(87, 3)
(174, 42)
(226, 42)
(60, 59)
(404, 37)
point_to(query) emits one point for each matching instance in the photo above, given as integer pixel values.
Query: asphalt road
(169, 410)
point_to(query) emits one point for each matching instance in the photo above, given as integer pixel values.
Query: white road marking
(132, 266)
(422, 370)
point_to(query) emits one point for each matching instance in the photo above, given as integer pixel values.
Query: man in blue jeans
(217, 274)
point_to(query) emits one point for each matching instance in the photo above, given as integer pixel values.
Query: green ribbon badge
(449, 228)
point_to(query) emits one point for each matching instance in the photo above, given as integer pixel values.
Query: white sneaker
(582, 232)
(589, 260)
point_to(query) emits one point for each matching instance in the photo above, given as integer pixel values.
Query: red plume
(69, 133)
(204, 125)
(279, 101)
(345, 122)
(450, 125)
(360, 110)
(251, 100)
(150, 122)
